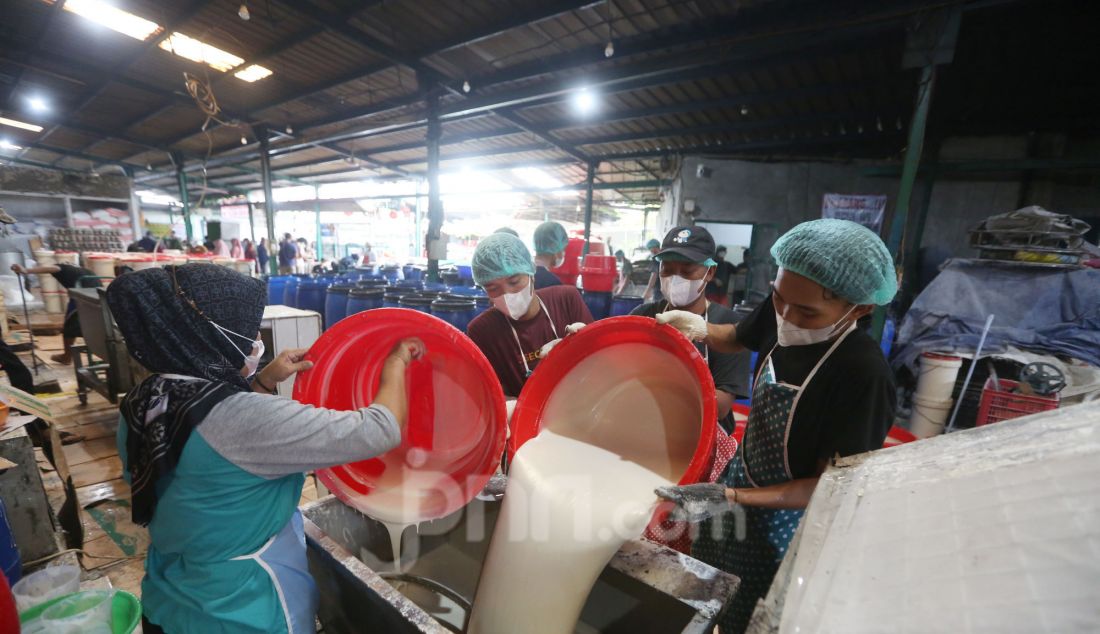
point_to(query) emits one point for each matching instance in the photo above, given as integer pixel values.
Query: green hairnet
(507, 230)
(653, 244)
(550, 237)
(500, 255)
(846, 258)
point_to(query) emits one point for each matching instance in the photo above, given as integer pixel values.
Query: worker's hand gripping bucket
(639, 388)
(457, 420)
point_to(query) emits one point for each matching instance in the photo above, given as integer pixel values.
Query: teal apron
(760, 461)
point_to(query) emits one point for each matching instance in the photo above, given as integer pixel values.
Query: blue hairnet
(653, 244)
(846, 258)
(500, 255)
(550, 237)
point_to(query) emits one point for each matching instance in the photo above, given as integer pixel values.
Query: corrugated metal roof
(738, 76)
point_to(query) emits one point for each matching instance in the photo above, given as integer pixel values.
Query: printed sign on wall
(867, 210)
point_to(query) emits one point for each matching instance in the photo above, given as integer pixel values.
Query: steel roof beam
(541, 11)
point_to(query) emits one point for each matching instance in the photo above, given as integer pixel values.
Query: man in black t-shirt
(68, 276)
(686, 265)
(823, 389)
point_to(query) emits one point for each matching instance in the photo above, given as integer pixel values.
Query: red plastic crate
(998, 405)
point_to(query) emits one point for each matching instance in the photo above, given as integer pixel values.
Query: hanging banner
(867, 210)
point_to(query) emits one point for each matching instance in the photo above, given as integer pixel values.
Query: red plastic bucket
(595, 369)
(599, 273)
(457, 419)
(571, 266)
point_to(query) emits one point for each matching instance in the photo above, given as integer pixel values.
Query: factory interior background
(349, 158)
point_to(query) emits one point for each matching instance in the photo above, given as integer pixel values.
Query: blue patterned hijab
(167, 318)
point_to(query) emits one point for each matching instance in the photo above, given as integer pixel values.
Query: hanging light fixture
(244, 140)
(289, 129)
(243, 13)
(609, 50)
(466, 86)
(744, 111)
(878, 123)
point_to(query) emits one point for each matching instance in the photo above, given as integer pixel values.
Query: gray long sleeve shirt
(272, 436)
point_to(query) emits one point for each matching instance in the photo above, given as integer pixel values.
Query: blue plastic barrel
(276, 287)
(372, 283)
(466, 274)
(393, 296)
(599, 303)
(623, 304)
(336, 303)
(416, 301)
(456, 312)
(311, 294)
(466, 291)
(360, 299)
(10, 563)
(413, 272)
(391, 273)
(436, 287)
(290, 291)
(415, 285)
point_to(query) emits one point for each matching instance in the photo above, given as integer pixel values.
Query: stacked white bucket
(53, 295)
(932, 400)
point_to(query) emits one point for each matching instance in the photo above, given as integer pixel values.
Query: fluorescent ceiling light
(19, 124)
(537, 178)
(584, 101)
(252, 73)
(203, 53)
(113, 18)
(200, 52)
(38, 104)
(8, 145)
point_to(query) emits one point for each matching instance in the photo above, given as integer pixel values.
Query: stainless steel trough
(645, 588)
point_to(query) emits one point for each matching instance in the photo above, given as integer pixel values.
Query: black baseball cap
(693, 243)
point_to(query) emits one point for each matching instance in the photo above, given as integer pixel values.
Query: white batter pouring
(623, 424)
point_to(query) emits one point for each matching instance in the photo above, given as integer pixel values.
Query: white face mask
(516, 304)
(792, 335)
(680, 291)
(251, 361)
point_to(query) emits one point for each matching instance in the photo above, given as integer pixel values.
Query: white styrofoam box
(286, 328)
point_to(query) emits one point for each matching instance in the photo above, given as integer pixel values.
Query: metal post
(435, 201)
(135, 206)
(908, 176)
(251, 222)
(181, 180)
(269, 200)
(416, 218)
(589, 180)
(317, 216)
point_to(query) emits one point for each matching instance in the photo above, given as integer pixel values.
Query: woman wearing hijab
(235, 249)
(221, 249)
(216, 461)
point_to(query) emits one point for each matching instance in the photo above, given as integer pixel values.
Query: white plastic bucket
(929, 416)
(103, 265)
(48, 283)
(45, 258)
(937, 376)
(55, 301)
(67, 257)
(40, 587)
